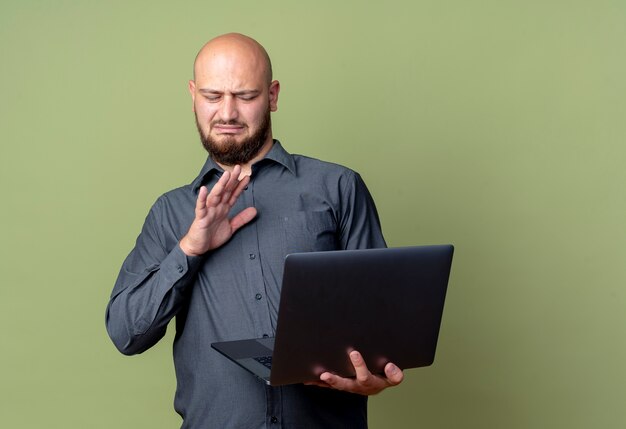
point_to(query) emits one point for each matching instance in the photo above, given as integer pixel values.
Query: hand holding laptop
(365, 383)
(385, 303)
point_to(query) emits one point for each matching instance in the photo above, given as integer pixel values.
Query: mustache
(231, 122)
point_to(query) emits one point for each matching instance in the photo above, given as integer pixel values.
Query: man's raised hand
(211, 227)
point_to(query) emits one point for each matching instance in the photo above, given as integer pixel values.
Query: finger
(233, 180)
(335, 381)
(201, 201)
(238, 190)
(317, 383)
(242, 218)
(363, 375)
(394, 374)
(228, 185)
(217, 192)
(235, 186)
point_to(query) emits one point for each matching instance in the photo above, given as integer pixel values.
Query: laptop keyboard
(265, 361)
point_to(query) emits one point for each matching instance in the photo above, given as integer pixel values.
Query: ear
(192, 91)
(273, 93)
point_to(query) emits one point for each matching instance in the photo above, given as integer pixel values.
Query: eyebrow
(240, 92)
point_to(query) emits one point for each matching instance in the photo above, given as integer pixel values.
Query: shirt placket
(254, 272)
(273, 417)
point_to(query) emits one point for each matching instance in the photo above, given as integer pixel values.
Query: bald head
(233, 94)
(235, 48)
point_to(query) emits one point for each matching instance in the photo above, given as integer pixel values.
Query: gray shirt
(233, 292)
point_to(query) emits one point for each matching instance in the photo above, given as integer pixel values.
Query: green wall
(498, 126)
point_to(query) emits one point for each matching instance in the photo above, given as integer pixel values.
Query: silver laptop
(385, 303)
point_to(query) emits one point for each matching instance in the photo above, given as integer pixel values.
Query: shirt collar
(276, 154)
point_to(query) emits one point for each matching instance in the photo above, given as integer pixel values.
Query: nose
(228, 109)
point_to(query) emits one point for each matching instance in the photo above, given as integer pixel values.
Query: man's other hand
(365, 383)
(211, 227)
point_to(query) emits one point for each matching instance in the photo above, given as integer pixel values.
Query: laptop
(385, 303)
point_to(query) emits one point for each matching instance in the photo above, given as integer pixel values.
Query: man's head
(233, 95)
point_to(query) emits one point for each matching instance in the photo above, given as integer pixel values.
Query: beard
(230, 152)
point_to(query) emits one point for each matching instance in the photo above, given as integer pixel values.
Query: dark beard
(229, 152)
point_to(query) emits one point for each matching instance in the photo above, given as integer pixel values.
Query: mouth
(228, 128)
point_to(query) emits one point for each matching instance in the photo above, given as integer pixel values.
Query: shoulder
(174, 200)
(174, 195)
(335, 178)
(309, 165)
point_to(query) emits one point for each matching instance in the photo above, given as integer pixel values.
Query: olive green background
(498, 126)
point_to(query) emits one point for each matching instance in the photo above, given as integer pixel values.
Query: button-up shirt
(233, 292)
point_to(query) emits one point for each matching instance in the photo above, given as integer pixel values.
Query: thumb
(394, 374)
(242, 218)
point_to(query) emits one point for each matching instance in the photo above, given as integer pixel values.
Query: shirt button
(180, 268)
(274, 419)
(258, 296)
(252, 256)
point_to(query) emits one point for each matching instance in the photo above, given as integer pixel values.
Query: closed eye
(213, 96)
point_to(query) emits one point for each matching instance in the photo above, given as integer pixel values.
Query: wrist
(187, 248)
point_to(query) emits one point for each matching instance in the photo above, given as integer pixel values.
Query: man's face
(232, 100)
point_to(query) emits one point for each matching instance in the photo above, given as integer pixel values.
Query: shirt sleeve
(150, 289)
(359, 225)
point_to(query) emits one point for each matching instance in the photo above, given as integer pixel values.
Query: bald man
(211, 253)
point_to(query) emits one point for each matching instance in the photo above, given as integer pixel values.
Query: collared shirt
(233, 292)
